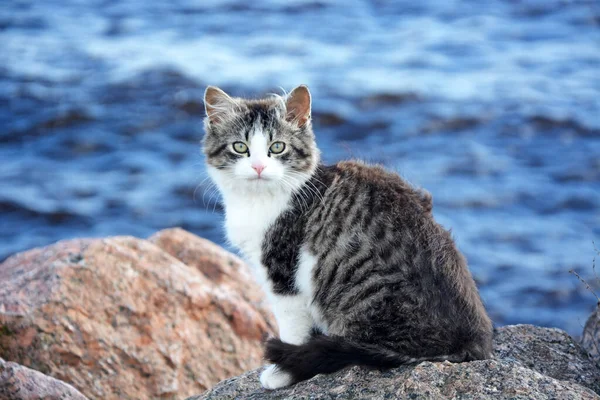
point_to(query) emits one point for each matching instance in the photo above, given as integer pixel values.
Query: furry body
(354, 265)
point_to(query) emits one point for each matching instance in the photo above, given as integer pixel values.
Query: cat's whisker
(211, 184)
(214, 193)
(300, 193)
(215, 204)
(198, 186)
(302, 188)
(210, 190)
(293, 190)
(315, 191)
(212, 187)
(206, 204)
(308, 185)
(303, 191)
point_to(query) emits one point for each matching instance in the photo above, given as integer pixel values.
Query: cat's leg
(293, 317)
(274, 378)
(295, 327)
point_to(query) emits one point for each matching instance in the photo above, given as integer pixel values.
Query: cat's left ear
(217, 104)
(298, 104)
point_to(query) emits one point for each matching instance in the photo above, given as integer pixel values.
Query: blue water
(494, 107)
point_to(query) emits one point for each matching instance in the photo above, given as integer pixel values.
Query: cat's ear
(218, 104)
(297, 105)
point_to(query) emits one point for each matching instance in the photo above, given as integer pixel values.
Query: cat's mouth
(258, 179)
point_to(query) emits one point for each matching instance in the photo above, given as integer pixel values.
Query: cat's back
(375, 188)
(368, 207)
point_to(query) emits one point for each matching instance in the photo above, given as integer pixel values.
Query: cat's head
(261, 145)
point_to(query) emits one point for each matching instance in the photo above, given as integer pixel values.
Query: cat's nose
(259, 168)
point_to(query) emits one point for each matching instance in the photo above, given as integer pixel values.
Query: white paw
(273, 378)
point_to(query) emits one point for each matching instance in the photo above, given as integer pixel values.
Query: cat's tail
(326, 354)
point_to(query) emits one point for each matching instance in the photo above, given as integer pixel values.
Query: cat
(355, 268)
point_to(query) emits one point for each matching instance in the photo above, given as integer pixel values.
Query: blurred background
(494, 107)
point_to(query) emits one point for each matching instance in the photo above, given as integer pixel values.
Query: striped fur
(356, 267)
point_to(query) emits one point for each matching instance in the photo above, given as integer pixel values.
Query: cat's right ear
(217, 104)
(298, 105)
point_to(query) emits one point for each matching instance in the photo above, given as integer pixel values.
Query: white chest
(247, 219)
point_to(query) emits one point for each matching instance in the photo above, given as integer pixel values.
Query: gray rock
(531, 363)
(21, 383)
(591, 335)
(549, 351)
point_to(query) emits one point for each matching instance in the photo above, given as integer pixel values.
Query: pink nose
(258, 168)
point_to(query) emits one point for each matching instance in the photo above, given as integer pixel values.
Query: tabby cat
(355, 267)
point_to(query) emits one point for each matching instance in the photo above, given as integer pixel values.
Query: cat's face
(259, 145)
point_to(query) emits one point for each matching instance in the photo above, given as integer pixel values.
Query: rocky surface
(591, 335)
(215, 263)
(21, 383)
(549, 351)
(530, 363)
(126, 318)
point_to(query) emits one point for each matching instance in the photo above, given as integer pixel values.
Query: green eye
(277, 147)
(240, 147)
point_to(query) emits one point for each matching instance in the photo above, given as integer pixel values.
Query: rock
(591, 335)
(549, 351)
(225, 270)
(121, 318)
(21, 383)
(489, 379)
(531, 363)
(215, 263)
